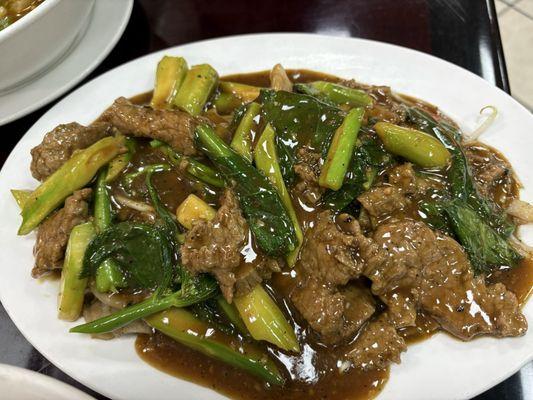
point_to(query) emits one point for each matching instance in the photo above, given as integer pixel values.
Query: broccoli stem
(264, 319)
(21, 196)
(414, 145)
(225, 103)
(109, 276)
(336, 94)
(73, 175)
(148, 307)
(72, 292)
(341, 150)
(262, 206)
(243, 138)
(198, 85)
(266, 160)
(170, 74)
(188, 330)
(232, 314)
(120, 162)
(247, 93)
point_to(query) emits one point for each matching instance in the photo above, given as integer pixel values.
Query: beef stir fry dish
(13, 10)
(282, 233)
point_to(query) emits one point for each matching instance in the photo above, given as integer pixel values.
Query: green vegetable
(369, 158)
(243, 138)
(462, 185)
(170, 74)
(183, 327)
(119, 163)
(142, 251)
(298, 120)
(341, 150)
(109, 277)
(266, 161)
(485, 247)
(225, 103)
(204, 288)
(197, 169)
(265, 321)
(21, 197)
(231, 312)
(199, 84)
(336, 94)
(130, 177)
(262, 206)
(72, 292)
(247, 93)
(73, 175)
(414, 145)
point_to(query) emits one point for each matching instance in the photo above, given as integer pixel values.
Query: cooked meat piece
(382, 202)
(401, 309)
(377, 345)
(433, 270)
(173, 127)
(53, 233)
(279, 79)
(59, 144)
(331, 257)
(336, 315)
(491, 172)
(330, 254)
(98, 309)
(404, 177)
(308, 170)
(219, 247)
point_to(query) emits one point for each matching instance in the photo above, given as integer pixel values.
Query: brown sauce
(316, 372)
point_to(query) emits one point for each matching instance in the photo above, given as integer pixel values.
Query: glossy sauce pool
(315, 373)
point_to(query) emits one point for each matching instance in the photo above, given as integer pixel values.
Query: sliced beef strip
(308, 170)
(53, 233)
(173, 127)
(59, 144)
(382, 202)
(218, 247)
(435, 276)
(377, 345)
(335, 314)
(329, 259)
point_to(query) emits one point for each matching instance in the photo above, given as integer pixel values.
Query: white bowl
(37, 40)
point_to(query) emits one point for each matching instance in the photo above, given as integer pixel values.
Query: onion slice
(521, 210)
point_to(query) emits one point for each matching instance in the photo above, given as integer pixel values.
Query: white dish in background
(439, 368)
(103, 30)
(22, 384)
(39, 38)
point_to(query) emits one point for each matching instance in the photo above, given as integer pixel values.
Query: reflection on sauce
(318, 372)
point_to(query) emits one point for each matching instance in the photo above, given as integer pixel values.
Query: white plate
(104, 29)
(23, 384)
(440, 368)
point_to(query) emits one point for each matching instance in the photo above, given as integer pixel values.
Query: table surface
(464, 32)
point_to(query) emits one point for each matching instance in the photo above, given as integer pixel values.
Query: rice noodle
(521, 210)
(485, 125)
